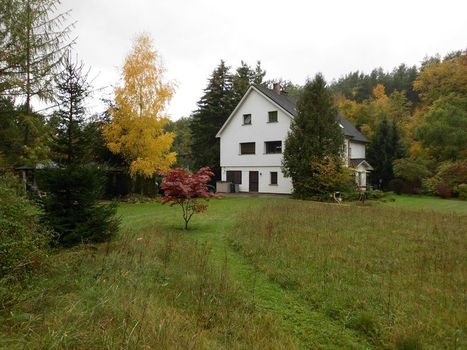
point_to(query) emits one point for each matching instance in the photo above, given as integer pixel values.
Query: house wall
(259, 132)
(357, 150)
(284, 184)
(346, 151)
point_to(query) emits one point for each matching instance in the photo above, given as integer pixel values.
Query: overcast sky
(293, 39)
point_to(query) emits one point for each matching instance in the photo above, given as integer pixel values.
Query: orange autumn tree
(136, 130)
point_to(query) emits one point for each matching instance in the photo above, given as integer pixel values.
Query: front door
(253, 181)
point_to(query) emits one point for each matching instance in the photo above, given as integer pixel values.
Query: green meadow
(255, 273)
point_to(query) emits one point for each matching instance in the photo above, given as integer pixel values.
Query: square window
(247, 148)
(234, 176)
(272, 117)
(247, 119)
(273, 177)
(273, 147)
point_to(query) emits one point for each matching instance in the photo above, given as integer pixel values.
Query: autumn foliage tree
(138, 118)
(186, 189)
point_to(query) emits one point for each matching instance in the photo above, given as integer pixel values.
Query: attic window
(247, 119)
(272, 117)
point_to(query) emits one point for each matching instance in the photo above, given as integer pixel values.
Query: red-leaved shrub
(444, 190)
(185, 189)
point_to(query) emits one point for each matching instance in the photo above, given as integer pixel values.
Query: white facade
(261, 163)
(357, 150)
(259, 132)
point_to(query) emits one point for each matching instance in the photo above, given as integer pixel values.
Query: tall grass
(396, 277)
(149, 290)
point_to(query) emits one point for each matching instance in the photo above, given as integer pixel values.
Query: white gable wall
(259, 132)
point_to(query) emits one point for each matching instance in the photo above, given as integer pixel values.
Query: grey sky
(293, 39)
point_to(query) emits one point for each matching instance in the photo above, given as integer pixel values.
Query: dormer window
(272, 117)
(247, 119)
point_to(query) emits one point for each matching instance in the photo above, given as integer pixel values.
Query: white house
(252, 141)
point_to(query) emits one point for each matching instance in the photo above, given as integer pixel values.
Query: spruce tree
(315, 136)
(74, 189)
(72, 89)
(213, 110)
(384, 149)
(221, 96)
(245, 76)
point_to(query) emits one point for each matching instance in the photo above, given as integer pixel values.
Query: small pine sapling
(186, 189)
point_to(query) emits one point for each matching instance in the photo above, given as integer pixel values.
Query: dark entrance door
(253, 181)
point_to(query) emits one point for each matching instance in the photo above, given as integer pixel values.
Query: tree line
(416, 119)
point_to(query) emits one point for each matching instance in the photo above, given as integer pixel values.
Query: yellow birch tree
(136, 130)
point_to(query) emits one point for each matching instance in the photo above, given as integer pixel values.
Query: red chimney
(277, 88)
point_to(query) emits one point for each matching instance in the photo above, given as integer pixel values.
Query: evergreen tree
(245, 76)
(35, 42)
(384, 149)
(314, 137)
(72, 207)
(182, 142)
(72, 89)
(241, 80)
(213, 110)
(223, 93)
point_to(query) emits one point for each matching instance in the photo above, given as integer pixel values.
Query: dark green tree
(182, 142)
(213, 110)
(69, 142)
(74, 188)
(245, 76)
(359, 86)
(384, 149)
(315, 136)
(72, 205)
(221, 96)
(11, 139)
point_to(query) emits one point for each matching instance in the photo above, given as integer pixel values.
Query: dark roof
(352, 131)
(285, 101)
(289, 103)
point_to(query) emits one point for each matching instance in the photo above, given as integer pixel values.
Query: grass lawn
(427, 203)
(253, 273)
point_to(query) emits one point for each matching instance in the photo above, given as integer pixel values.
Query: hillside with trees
(426, 107)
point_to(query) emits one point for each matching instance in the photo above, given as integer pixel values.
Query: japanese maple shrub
(186, 189)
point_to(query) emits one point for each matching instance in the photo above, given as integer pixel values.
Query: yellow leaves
(441, 78)
(138, 119)
(379, 92)
(367, 130)
(415, 149)
(368, 113)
